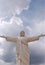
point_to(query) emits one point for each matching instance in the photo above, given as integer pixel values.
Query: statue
(22, 50)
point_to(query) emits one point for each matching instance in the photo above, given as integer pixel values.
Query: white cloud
(17, 21)
(10, 28)
(1, 51)
(9, 7)
(38, 28)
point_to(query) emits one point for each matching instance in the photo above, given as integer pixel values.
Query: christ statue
(22, 49)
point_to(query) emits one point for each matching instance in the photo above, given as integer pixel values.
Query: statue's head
(22, 34)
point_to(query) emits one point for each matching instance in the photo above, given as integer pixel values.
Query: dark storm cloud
(37, 53)
(36, 59)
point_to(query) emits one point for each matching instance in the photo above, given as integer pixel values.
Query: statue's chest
(21, 48)
(21, 43)
(21, 40)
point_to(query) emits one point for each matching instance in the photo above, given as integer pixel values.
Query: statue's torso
(22, 51)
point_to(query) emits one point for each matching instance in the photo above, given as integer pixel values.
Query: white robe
(22, 52)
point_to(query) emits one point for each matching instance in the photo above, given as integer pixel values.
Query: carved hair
(22, 33)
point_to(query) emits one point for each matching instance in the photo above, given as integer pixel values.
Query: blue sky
(36, 11)
(17, 15)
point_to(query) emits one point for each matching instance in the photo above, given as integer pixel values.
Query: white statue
(22, 50)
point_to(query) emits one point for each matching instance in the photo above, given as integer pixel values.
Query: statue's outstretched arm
(35, 38)
(9, 38)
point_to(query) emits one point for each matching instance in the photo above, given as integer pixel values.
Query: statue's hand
(42, 35)
(2, 36)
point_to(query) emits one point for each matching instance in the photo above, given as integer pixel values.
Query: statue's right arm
(35, 38)
(9, 38)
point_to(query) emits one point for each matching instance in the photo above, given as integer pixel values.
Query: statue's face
(22, 34)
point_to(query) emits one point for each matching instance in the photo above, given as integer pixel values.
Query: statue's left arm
(9, 38)
(31, 39)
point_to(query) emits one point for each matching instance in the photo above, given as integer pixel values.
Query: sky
(17, 15)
